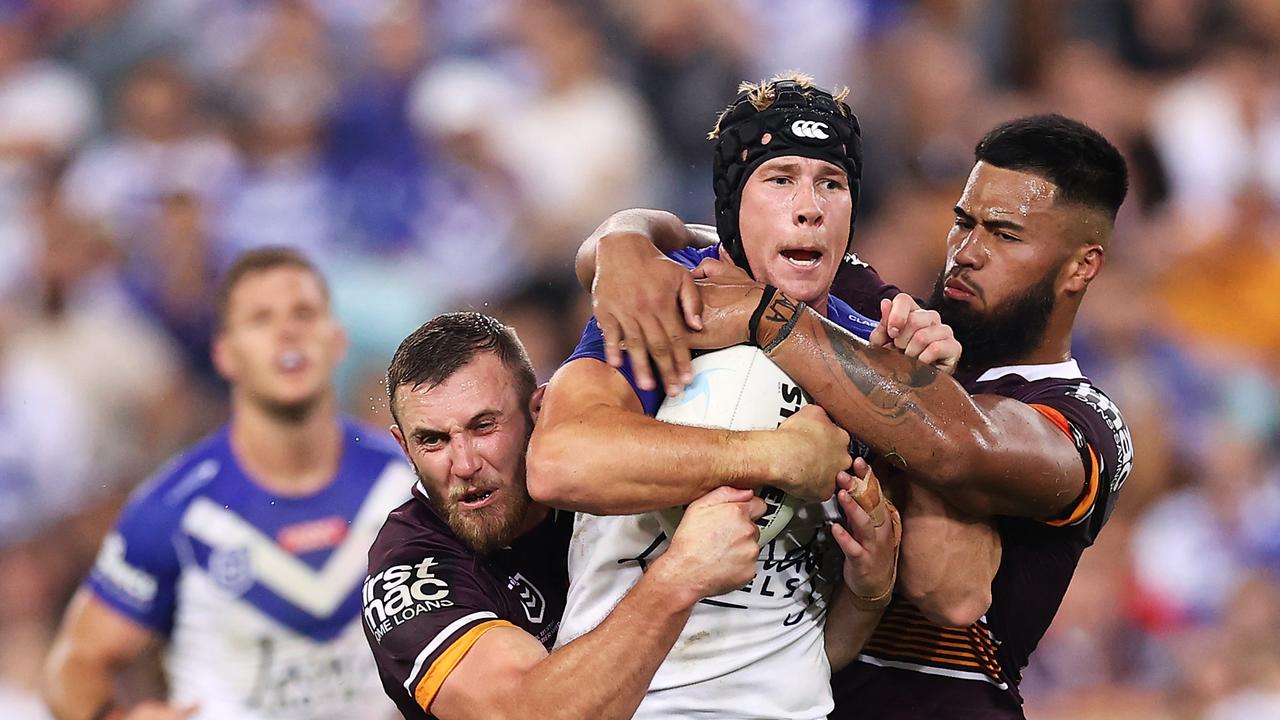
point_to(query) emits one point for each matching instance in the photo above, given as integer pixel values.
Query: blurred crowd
(438, 154)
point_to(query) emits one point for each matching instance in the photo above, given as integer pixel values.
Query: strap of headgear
(802, 120)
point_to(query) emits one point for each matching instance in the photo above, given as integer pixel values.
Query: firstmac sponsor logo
(400, 593)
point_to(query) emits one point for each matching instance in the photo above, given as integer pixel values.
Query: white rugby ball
(738, 388)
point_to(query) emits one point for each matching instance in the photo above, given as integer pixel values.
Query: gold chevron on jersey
(905, 639)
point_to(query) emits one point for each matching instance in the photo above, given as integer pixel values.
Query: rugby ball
(738, 388)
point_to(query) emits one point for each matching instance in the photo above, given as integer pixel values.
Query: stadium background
(453, 153)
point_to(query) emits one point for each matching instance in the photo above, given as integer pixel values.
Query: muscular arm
(594, 450)
(603, 674)
(94, 645)
(984, 454)
(947, 560)
(646, 233)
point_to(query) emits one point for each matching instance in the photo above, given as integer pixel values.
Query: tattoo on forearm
(890, 390)
(774, 319)
(782, 309)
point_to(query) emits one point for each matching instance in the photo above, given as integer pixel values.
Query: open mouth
(476, 499)
(291, 361)
(802, 258)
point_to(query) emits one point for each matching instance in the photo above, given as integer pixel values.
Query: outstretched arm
(594, 450)
(94, 646)
(984, 454)
(604, 673)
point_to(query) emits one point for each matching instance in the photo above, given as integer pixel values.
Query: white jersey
(258, 595)
(756, 652)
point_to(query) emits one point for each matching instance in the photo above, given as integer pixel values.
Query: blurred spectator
(467, 227)
(116, 362)
(1195, 546)
(161, 145)
(372, 149)
(687, 55)
(582, 147)
(1218, 129)
(1237, 258)
(105, 38)
(285, 90)
(433, 154)
(177, 285)
(46, 109)
(833, 33)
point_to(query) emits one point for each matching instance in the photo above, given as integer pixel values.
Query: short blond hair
(762, 94)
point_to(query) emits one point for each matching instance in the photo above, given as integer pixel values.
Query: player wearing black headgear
(1014, 466)
(788, 116)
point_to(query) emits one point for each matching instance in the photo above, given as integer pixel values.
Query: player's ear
(223, 359)
(1085, 265)
(535, 401)
(340, 343)
(399, 436)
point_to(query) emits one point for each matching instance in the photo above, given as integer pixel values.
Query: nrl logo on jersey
(535, 606)
(400, 593)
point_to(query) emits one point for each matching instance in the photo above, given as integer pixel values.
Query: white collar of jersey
(1067, 370)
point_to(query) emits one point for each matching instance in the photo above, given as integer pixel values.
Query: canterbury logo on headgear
(810, 129)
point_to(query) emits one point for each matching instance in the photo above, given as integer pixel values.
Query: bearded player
(757, 652)
(243, 558)
(1034, 448)
(467, 579)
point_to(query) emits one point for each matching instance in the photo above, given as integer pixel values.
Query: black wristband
(786, 328)
(754, 324)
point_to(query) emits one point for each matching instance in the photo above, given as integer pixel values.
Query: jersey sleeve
(1102, 439)
(591, 345)
(424, 609)
(137, 569)
(859, 285)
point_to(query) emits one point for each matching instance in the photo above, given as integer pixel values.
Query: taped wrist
(774, 318)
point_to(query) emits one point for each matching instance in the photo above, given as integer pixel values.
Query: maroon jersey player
(1013, 465)
(467, 579)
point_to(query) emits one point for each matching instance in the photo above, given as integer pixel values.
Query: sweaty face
(279, 344)
(1006, 253)
(794, 220)
(467, 438)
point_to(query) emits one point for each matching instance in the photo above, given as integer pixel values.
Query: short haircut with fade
(1087, 169)
(258, 260)
(434, 352)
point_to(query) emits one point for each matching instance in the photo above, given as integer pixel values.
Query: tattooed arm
(984, 454)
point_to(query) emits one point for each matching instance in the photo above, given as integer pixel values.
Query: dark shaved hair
(257, 261)
(1087, 169)
(434, 352)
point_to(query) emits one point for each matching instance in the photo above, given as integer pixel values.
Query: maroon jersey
(429, 597)
(859, 285)
(911, 668)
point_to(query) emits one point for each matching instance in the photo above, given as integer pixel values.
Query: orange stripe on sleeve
(1091, 483)
(435, 676)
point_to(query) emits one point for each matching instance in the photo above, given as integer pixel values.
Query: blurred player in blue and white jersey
(244, 557)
